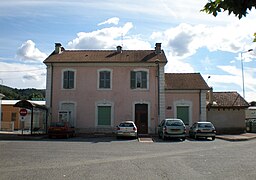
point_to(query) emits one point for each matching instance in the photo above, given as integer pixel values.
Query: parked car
(126, 129)
(61, 129)
(202, 129)
(172, 128)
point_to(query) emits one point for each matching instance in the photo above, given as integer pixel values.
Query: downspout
(51, 94)
(200, 104)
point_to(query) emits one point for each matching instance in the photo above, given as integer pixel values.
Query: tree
(237, 7)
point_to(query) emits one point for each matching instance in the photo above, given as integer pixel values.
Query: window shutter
(71, 79)
(144, 79)
(133, 79)
(104, 79)
(101, 79)
(65, 80)
(107, 79)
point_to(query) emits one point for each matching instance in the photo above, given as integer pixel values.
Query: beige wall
(227, 120)
(86, 95)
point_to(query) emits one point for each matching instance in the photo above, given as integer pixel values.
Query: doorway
(141, 118)
(183, 114)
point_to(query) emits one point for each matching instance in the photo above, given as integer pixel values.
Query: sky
(193, 41)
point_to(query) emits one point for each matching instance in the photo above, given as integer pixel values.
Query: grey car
(202, 129)
(172, 128)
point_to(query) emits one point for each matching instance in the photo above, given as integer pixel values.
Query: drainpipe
(158, 88)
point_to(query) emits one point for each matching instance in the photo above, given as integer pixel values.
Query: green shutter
(104, 115)
(144, 79)
(133, 79)
(71, 79)
(104, 79)
(65, 80)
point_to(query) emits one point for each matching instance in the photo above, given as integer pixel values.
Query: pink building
(185, 97)
(97, 89)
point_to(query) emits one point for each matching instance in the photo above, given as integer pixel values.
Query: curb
(235, 138)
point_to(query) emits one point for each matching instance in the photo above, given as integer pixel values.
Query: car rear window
(205, 125)
(57, 124)
(174, 123)
(126, 125)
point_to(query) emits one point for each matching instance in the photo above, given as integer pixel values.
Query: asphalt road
(108, 158)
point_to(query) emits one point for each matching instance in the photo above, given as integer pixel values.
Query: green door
(104, 115)
(183, 114)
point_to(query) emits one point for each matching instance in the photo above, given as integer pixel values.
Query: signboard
(23, 112)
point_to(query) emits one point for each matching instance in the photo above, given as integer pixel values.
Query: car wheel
(163, 136)
(159, 135)
(213, 138)
(195, 137)
(183, 139)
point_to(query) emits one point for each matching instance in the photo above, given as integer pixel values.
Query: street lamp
(242, 66)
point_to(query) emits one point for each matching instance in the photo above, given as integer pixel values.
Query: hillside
(19, 94)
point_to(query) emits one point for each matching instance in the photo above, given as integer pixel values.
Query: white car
(126, 129)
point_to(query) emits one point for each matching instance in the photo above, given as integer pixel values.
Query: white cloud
(184, 40)
(23, 75)
(106, 38)
(28, 52)
(114, 20)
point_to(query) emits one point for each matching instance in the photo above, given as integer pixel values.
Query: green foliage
(237, 7)
(19, 94)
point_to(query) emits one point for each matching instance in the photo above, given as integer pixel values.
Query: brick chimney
(158, 48)
(57, 48)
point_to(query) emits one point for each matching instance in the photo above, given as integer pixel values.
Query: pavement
(15, 136)
(237, 137)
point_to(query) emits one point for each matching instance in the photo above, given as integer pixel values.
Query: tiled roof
(228, 99)
(101, 56)
(185, 81)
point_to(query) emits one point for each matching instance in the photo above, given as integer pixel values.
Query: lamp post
(242, 67)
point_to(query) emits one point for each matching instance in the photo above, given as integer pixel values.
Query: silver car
(202, 129)
(126, 129)
(172, 128)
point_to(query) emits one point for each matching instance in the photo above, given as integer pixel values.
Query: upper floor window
(104, 81)
(139, 79)
(68, 79)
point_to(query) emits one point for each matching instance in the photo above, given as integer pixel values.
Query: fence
(7, 126)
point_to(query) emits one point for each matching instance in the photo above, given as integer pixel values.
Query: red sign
(23, 112)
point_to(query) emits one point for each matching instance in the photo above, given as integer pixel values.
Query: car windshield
(174, 123)
(126, 125)
(206, 125)
(57, 124)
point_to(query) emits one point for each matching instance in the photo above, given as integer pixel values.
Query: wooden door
(141, 118)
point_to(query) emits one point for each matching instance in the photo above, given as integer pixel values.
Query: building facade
(97, 89)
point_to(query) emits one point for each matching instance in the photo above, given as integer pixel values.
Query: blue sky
(192, 40)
